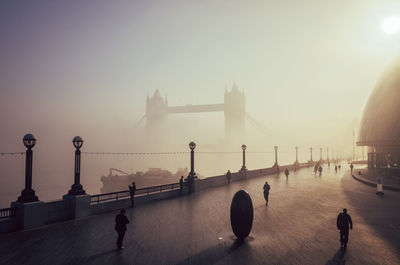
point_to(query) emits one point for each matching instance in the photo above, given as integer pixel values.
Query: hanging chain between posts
(167, 153)
(148, 153)
(11, 153)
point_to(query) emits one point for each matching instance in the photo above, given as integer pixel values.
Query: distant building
(156, 111)
(380, 126)
(235, 114)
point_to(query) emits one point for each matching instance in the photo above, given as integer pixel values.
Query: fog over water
(86, 68)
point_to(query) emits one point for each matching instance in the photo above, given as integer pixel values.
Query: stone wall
(35, 214)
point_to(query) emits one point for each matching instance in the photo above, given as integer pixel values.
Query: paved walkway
(389, 181)
(297, 227)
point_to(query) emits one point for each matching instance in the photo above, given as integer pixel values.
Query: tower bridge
(234, 108)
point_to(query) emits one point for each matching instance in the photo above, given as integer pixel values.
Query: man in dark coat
(343, 221)
(266, 188)
(120, 226)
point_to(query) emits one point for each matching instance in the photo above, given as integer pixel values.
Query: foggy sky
(85, 68)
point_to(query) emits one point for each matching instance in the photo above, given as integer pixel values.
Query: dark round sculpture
(241, 214)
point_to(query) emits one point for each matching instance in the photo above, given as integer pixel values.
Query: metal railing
(8, 213)
(118, 195)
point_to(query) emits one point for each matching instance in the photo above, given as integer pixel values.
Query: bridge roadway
(297, 227)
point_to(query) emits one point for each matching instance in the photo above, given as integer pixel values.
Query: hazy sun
(391, 25)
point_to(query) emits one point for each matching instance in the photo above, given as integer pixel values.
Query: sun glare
(391, 25)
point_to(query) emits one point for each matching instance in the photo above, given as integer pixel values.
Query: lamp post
(297, 154)
(76, 188)
(192, 146)
(276, 166)
(311, 155)
(327, 154)
(320, 154)
(28, 194)
(244, 157)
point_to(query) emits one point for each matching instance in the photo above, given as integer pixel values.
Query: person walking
(181, 185)
(351, 168)
(229, 176)
(287, 172)
(132, 191)
(320, 170)
(266, 188)
(343, 221)
(120, 226)
(335, 168)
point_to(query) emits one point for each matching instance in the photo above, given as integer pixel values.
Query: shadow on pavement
(213, 254)
(338, 258)
(379, 212)
(93, 258)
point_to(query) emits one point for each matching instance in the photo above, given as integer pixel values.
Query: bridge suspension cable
(258, 125)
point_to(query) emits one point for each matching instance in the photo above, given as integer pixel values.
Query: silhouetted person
(120, 226)
(266, 188)
(343, 221)
(132, 191)
(351, 168)
(287, 172)
(181, 185)
(335, 168)
(339, 166)
(315, 169)
(229, 176)
(320, 170)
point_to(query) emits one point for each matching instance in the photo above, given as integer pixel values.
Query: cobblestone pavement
(297, 227)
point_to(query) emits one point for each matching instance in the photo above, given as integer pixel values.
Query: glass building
(380, 124)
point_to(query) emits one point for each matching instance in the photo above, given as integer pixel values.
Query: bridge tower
(156, 111)
(235, 114)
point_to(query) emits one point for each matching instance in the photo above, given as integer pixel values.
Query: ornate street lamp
(276, 155)
(244, 157)
(76, 188)
(28, 194)
(297, 154)
(311, 155)
(192, 146)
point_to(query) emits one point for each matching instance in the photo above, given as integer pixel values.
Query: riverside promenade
(297, 227)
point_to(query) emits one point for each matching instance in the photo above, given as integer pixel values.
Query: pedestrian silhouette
(339, 166)
(181, 185)
(120, 226)
(132, 191)
(351, 168)
(335, 168)
(266, 188)
(229, 176)
(342, 223)
(320, 170)
(287, 172)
